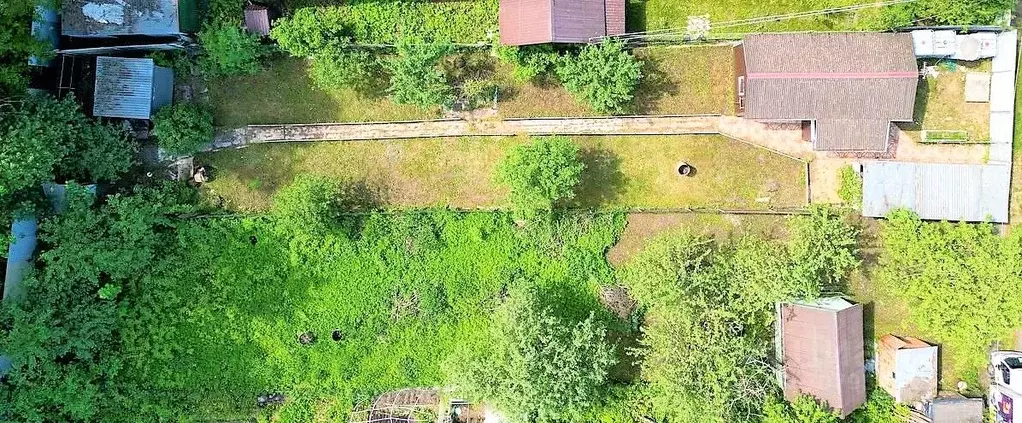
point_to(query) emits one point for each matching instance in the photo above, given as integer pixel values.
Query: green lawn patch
(676, 81)
(283, 93)
(941, 109)
(662, 14)
(621, 171)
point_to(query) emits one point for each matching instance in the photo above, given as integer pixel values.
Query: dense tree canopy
(960, 281)
(706, 346)
(229, 50)
(44, 138)
(538, 367)
(17, 44)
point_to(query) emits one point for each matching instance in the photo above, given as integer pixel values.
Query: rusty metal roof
(822, 352)
(852, 84)
(525, 22)
(103, 18)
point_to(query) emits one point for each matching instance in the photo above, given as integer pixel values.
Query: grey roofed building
(849, 86)
(951, 407)
(937, 191)
(105, 18)
(130, 87)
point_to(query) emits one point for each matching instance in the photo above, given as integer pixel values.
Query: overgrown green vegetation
(850, 187)
(44, 138)
(959, 281)
(541, 174)
(228, 50)
(663, 14)
(374, 22)
(416, 78)
(183, 128)
(707, 338)
(17, 44)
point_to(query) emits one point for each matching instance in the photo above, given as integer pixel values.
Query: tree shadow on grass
(655, 85)
(602, 179)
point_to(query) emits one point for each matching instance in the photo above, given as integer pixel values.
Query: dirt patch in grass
(283, 93)
(622, 171)
(940, 104)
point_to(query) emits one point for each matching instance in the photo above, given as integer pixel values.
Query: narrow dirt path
(257, 134)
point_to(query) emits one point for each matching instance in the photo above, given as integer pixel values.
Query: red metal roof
(257, 20)
(823, 354)
(559, 21)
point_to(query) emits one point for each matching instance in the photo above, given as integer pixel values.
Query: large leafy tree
(63, 333)
(541, 173)
(43, 136)
(603, 76)
(538, 367)
(416, 77)
(706, 346)
(960, 281)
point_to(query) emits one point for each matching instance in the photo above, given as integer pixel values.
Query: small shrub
(478, 92)
(228, 50)
(183, 128)
(416, 77)
(335, 68)
(529, 62)
(541, 173)
(603, 76)
(850, 188)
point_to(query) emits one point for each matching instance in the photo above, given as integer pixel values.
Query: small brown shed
(525, 22)
(907, 369)
(257, 19)
(821, 349)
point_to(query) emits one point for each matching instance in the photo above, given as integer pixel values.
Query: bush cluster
(541, 174)
(183, 128)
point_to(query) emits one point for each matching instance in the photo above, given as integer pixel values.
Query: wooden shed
(821, 349)
(525, 22)
(907, 369)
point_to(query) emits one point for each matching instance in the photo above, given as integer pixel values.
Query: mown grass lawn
(940, 104)
(626, 171)
(646, 15)
(283, 93)
(677, 81)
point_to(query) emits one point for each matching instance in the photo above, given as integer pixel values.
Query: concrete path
(645, 125)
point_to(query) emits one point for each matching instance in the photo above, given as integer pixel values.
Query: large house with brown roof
(846, 88)
(525, 22)
(820, 346)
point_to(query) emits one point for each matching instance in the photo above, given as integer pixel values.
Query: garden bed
(664, 14)
(622, 171)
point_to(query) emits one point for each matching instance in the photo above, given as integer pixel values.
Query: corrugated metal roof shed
(131, 87)
(937, 191)
(955, 192)
(525, 22)
(852, 84)
(823, 352)
(104, 18)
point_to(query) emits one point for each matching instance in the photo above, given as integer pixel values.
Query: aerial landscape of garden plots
(485, 211)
